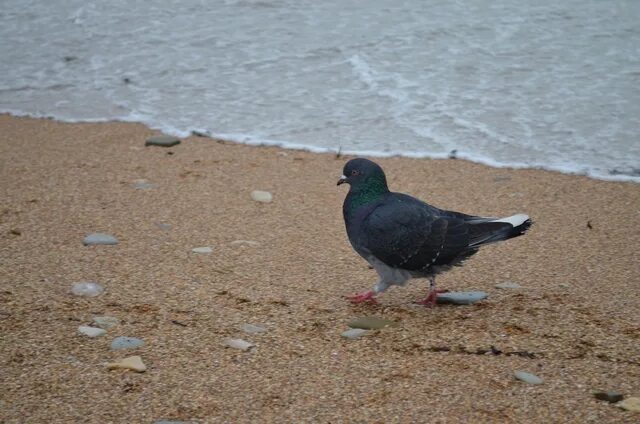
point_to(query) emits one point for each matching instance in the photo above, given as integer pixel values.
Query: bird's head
(362, 173)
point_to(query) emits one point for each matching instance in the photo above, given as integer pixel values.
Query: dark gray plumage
(403, 237)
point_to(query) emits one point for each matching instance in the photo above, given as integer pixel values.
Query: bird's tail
(493, 230)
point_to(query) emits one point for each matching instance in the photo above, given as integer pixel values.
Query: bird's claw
(365, 297)
(430, 300)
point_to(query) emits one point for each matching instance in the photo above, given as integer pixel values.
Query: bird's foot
(431, 298)
(364, 297)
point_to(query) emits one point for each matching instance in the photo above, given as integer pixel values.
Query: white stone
(131, 363)
(261, 196)
(87, 289)
(527, 377)
(205, 249)
(354, 333)
(252, 329)
(91, 331)
(238, 344)
(245, 242)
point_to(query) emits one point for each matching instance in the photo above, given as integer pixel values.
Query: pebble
(99, 238)
(122, 342)
(142, 185)
(370, 323)
(131, 363)
(205, 249)
(247, 242)
(174, 422)
(162, 140)
(106, 322)
(87, 289)
(253, 329)
(238, 344)
(354, 333)
(527, 377)
(611, 397)
(163, 226)
(461, 298)
(630, 404)
(261, 196)
(508, 285)
(91, 331)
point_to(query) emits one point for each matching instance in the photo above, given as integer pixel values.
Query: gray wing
(405, 233)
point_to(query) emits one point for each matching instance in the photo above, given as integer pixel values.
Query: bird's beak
(342, 180)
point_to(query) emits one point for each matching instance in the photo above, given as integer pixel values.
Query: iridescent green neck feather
(367, 191)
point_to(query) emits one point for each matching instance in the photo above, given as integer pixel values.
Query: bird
(403, 237)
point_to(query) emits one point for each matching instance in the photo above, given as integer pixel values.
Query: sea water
(549, 84)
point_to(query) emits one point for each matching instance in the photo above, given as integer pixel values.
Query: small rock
(370, 323)
(527, 377)
(122, 342)
(261, 196)
(253, 329)
(91, 331)
(461, 298)
(630, 404)
(131, 363)
(142, 185)
(508, 285)
(163, 226)
(247, 242)
(354, 333)
(87, 289)
(238, 344)
(162, 141)
(99, 238)
(174, 422)
(611, 397)
(205, 249)
(106, 322)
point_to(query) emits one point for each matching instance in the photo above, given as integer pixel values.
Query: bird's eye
(355, 172)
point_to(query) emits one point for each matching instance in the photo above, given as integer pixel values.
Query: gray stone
(175, 422)
(253, 329)
(508, 285)
(162, 141)
(461, 298)
(122, 342)
(99, 238)
(163, 226)
(527, 377)
(354, 333)
(611, 397)
(106, 322)
(87, 289)
(142, 185)
(370, 323)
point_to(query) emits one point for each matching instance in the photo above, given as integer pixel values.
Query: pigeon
(403, 237)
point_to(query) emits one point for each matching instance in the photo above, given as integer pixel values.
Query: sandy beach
(575, 321)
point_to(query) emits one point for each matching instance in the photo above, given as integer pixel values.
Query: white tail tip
(514, 220)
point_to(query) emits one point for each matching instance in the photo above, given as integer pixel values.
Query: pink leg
(430, 300)
(368, 296)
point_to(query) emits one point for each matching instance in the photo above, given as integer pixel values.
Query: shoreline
(574, 320)
(613, 175)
